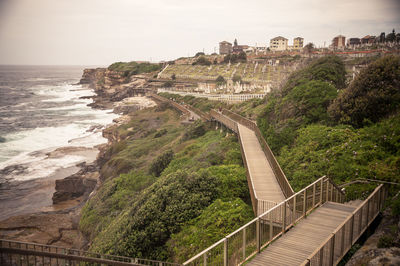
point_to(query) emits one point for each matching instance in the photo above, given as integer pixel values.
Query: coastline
(47, 210)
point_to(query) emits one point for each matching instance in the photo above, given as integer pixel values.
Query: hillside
(161, 180)
(169, 190)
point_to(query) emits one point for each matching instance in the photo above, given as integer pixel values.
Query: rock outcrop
(77, 185)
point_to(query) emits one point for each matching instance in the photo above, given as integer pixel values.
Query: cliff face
(111, 86)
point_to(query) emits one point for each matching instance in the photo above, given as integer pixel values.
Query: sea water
(42, 109)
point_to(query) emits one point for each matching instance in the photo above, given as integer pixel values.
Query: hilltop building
(353, 41)
(298, 43)
(225, 47)
(339, 42)
(368, 39)
(278, 44)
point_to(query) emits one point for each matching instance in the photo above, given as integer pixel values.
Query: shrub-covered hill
(133, 68)
(162, 179)
(311, 141)
(302, 101)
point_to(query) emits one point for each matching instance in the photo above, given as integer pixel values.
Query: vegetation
(234, 58)
(220, 80)
(202, 61)
(133, 68)
(193, 171)
(303, 100)
(375, 93)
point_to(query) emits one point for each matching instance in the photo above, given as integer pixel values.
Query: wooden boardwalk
(294, 247)
(265, 185)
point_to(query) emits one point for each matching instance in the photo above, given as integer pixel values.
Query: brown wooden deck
(294, 247)
(265, 184)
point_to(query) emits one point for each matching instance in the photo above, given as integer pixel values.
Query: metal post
(327, 190)
(258, 235)
(304, 202)
(360, 221)
(313, 195)
(322, 189)
(205, 258)
(271, 227)
(244, 244)
(226, 252)
(294, 209)
(284, 217)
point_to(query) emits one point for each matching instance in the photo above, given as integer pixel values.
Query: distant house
(225, 47)
(278, 44)
(353, 41)
(298, 43)
(240, 48)
(339, 42)
(368, 39)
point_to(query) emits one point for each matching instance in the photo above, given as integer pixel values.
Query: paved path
(301, 241)
(266, 186)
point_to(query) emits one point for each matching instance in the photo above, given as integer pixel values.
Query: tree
(309, 47)
(242, 57)
(391, 37)
(199, 54)
(220, 80)
(202, 61)
(237, 78)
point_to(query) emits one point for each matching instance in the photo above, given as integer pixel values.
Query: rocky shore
(53, 218)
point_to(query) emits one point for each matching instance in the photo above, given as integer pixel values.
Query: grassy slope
(135, 213)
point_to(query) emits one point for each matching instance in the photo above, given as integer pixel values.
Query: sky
(100, 32)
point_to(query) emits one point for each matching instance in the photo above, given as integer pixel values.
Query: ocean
(43, 109)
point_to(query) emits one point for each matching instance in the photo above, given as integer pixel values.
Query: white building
(278, 44)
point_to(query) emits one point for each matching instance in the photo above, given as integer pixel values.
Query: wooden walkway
(294, 247)
(265, 185)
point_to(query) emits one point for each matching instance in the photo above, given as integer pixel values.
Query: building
(298, 43)
(339, 42)
(278, 44)
(353, 41)
(368, 39)
(225, 47)
(240, 48)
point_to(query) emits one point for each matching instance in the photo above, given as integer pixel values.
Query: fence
(280, 176)
(22, 253)
(172, 103)
(345, 236)
(261, 231)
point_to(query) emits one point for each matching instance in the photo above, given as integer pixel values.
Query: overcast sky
(99, 32)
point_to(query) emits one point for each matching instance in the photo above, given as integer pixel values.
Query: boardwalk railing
(177, 106)
(280, 176)
(22, 253)
(345, 236)
(261, 231)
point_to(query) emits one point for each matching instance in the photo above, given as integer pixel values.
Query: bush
(199, 54)
(237, 78)
(161, 162)
(197, 129)
(202, 61)
(168, 84)
(134, 68)
(372, 95)
(220, 80)
(385, 241)
(160, 133)
(173, 76)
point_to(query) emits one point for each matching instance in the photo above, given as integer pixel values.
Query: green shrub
(160, 133)
(385, 241)
(372, 95)
(195, 130)
(161, 162)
